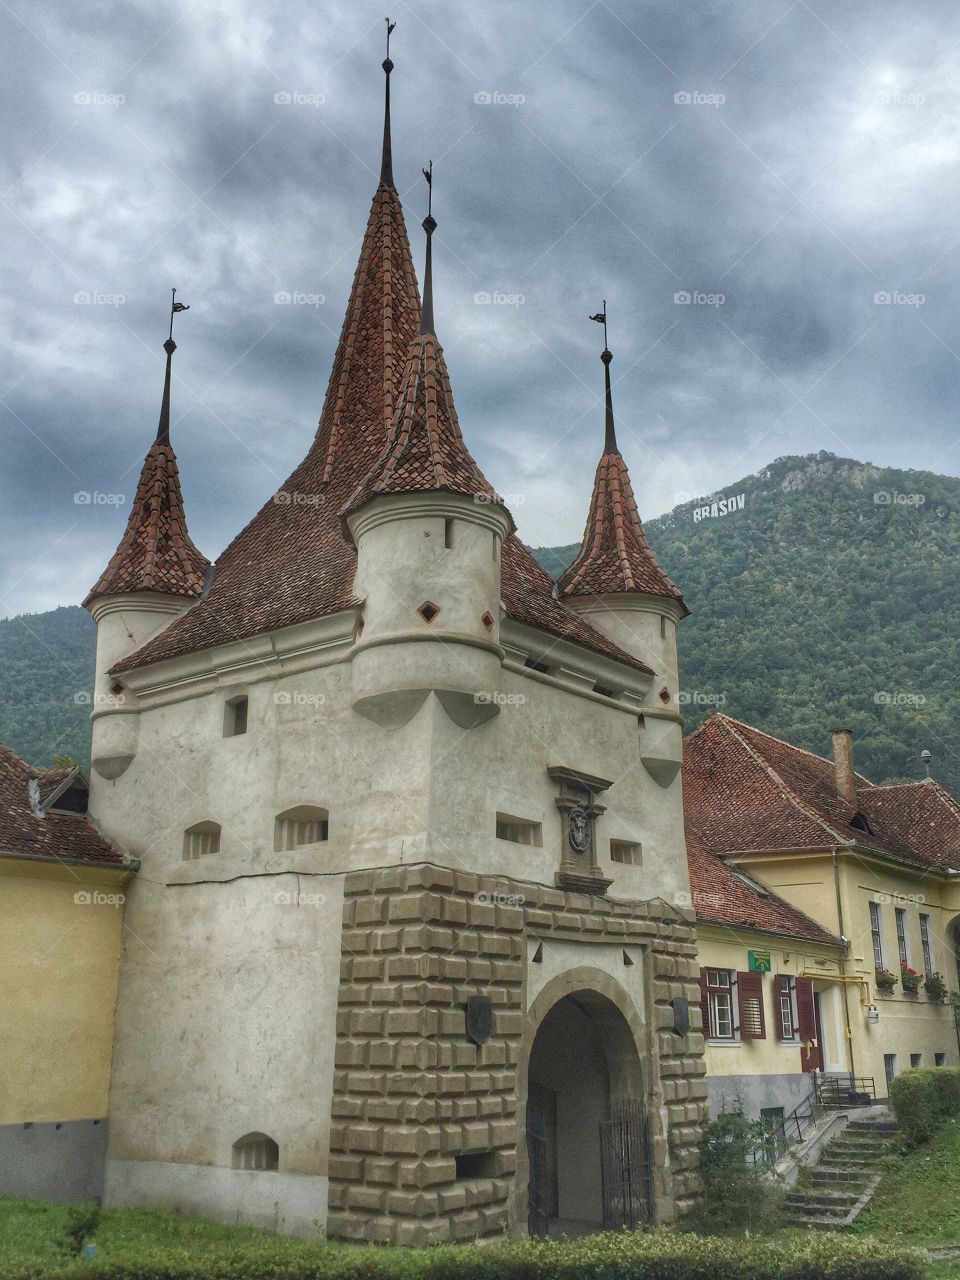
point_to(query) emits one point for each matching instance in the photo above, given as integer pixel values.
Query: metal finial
(163, 430)
(606, 356)
(925, 758)
(386, 161)
(429, 226)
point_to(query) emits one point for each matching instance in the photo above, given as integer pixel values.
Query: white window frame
(722, 988)
(787, 1002)
(876, 933)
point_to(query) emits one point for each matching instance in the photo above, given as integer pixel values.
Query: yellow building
(61, 916)
(849, 892)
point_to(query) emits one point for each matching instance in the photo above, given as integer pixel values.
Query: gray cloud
(814, 168)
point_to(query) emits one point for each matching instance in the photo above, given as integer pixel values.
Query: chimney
(843, 764)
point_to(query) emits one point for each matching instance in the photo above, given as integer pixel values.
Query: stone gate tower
(409, 956)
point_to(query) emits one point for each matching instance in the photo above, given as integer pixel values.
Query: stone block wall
(412, 1092)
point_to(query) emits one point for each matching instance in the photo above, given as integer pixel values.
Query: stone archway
(582, 1106)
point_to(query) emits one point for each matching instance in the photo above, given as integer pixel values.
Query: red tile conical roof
(155, 552)
(615, 555)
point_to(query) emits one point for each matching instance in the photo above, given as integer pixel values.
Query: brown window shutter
(806, 1018)
(781, 986)
(750, 1000)
(704, 1002)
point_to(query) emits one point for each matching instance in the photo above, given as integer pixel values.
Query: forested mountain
(830, 596)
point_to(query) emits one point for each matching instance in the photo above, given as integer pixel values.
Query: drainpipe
(843, 963)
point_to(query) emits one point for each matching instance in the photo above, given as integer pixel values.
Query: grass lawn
(918, 1200)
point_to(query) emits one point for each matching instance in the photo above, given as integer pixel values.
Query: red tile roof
(720, 896)
(58, 836)
(155, 552)
(424, 449)
(615, 555)
(291, 563)
(745, 790)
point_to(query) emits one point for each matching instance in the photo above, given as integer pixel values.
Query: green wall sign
(759, 961)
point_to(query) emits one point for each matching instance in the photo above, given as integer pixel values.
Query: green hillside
(813, 605)
(817, 605)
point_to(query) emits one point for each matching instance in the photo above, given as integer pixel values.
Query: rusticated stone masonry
(412, 1092)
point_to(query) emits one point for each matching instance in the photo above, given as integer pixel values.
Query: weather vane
(175, 306)
(601, 318)
(390, 27)
(428, 174)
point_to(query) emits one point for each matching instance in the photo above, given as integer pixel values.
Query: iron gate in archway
(625, 1167)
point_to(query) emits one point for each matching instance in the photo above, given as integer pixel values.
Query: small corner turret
(154, 574)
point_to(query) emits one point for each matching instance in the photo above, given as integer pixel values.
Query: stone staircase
(844, 1178)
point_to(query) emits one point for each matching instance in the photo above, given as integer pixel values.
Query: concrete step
(834, 1213)
(872, 1126)
(818, 1224)
(840, 1173)
(830, 1202)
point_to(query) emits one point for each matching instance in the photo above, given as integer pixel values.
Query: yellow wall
(59, 957)
(726, 948)
(907, 1025)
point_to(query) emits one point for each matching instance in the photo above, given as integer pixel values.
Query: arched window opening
(256, 1151)
(305, 824)
(201, 839)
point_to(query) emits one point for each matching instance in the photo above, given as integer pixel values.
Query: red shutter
(780, 988)
(750, 1000)
(806, 1018)
(704, 1002)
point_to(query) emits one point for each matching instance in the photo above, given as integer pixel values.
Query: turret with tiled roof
(614, 555)
(156, 553)
(425, 450)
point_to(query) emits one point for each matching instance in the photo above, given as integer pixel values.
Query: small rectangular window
(626, 851)
(476, 1164)
(876, 935)
(235, 717)
(901, 918)
(534, 665)
(889, 1067)
(939, 1059)
(916, 1060)
(518, 830)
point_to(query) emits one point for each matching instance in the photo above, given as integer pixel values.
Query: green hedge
(654, 1255)
(924, 1099)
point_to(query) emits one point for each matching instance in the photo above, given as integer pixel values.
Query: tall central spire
(606, 356)
(386, 162)
(163, 430)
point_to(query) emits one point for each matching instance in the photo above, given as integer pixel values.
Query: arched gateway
(586, 1140)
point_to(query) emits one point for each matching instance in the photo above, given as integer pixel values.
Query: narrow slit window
(235, 716)
(518, 830)
(448, 533)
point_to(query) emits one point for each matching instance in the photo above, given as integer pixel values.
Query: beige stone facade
(412, 1092)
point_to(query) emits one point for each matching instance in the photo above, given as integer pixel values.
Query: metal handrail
(790, 1129)
(846, 1091)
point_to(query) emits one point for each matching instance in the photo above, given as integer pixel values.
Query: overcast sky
(781, 162)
